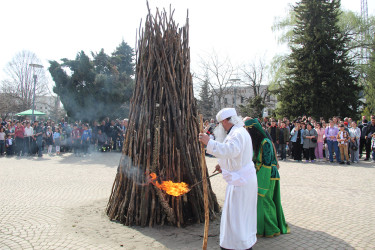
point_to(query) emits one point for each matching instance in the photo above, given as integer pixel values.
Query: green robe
(270, 215)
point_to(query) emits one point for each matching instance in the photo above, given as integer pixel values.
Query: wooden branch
(205, 192)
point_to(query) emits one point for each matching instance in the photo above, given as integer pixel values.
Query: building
(50, 105)
(238, 95)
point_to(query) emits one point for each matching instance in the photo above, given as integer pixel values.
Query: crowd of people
(342, 140)
(27, 138)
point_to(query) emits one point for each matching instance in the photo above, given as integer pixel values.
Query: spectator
(85, 139)
(9, 145)
(2, 141)
(94, 132)
(102, 141)
(283, 139)
(29, 132)
(297, 140)
(76, 137)
(343, 140)
(38, 136)
(19, 139)
(355, 135)
(331, 135)
(370, 129)
(49, 139)
(320, 142)
(362, 141)
(57, 140)
(274, 132)
(309, 142)
(373, 147)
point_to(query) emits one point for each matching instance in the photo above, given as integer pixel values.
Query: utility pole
(33, 65)
(364, 16)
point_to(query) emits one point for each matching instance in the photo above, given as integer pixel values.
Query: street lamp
(33, 65)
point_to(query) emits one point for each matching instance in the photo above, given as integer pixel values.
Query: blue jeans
(39, 144)
(332, 145)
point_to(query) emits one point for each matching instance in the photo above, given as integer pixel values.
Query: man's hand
(217, 168)
(204, 138)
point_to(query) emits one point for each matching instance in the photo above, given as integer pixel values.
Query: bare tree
(19, 85)
(254, 75)
(217, 73)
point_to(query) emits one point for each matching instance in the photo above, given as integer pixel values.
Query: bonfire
(161, 156)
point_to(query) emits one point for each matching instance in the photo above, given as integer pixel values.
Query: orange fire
(171, 188)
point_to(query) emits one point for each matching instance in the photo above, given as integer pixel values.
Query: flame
(171, 188)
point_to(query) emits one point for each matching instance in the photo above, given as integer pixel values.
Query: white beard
(220, 133)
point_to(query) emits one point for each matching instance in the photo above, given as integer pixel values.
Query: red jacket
(19, 131)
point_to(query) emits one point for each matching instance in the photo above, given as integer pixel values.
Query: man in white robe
(238, 225)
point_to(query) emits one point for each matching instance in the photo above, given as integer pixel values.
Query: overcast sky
(239, 29)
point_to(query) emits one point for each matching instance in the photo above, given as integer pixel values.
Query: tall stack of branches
(162, 133)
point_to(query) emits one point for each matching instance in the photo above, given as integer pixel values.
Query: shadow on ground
(91, 221)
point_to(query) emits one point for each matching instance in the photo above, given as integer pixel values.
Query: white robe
(238, 225)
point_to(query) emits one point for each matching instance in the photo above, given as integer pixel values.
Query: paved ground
(58, 203)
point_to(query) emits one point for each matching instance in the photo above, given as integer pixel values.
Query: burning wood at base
(174, 188)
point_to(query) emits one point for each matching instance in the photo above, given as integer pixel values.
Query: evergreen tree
(319, 80)
(96, 87)
(122, 58)
(205, 104)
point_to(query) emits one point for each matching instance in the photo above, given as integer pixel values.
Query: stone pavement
(58, 203)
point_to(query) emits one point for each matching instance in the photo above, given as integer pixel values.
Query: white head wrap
(225, 113)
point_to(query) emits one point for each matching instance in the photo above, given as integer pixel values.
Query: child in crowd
(373, 146)
(49, 139)
(76, 137)
(56, 140)
(85, 139)
(9, 145)
(343, 139)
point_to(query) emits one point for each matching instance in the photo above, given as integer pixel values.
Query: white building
(238, 95)
(50, 105)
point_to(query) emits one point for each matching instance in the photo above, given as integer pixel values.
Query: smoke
(133, 172)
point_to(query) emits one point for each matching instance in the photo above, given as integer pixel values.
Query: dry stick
(205, 194)
(199, 182)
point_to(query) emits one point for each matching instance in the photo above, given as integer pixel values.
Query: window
(225, 101)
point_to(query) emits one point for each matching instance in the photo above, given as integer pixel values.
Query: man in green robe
(270, 215)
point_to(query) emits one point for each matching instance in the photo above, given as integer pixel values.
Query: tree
(205, 104)
(18, 87)
(254, 74)
(351, 24)
(319, 80)
(219, 72)
(96, 87)
(370, 86)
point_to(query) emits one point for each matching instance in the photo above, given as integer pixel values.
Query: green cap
(254, 123)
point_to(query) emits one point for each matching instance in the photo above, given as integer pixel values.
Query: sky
(237, 29)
